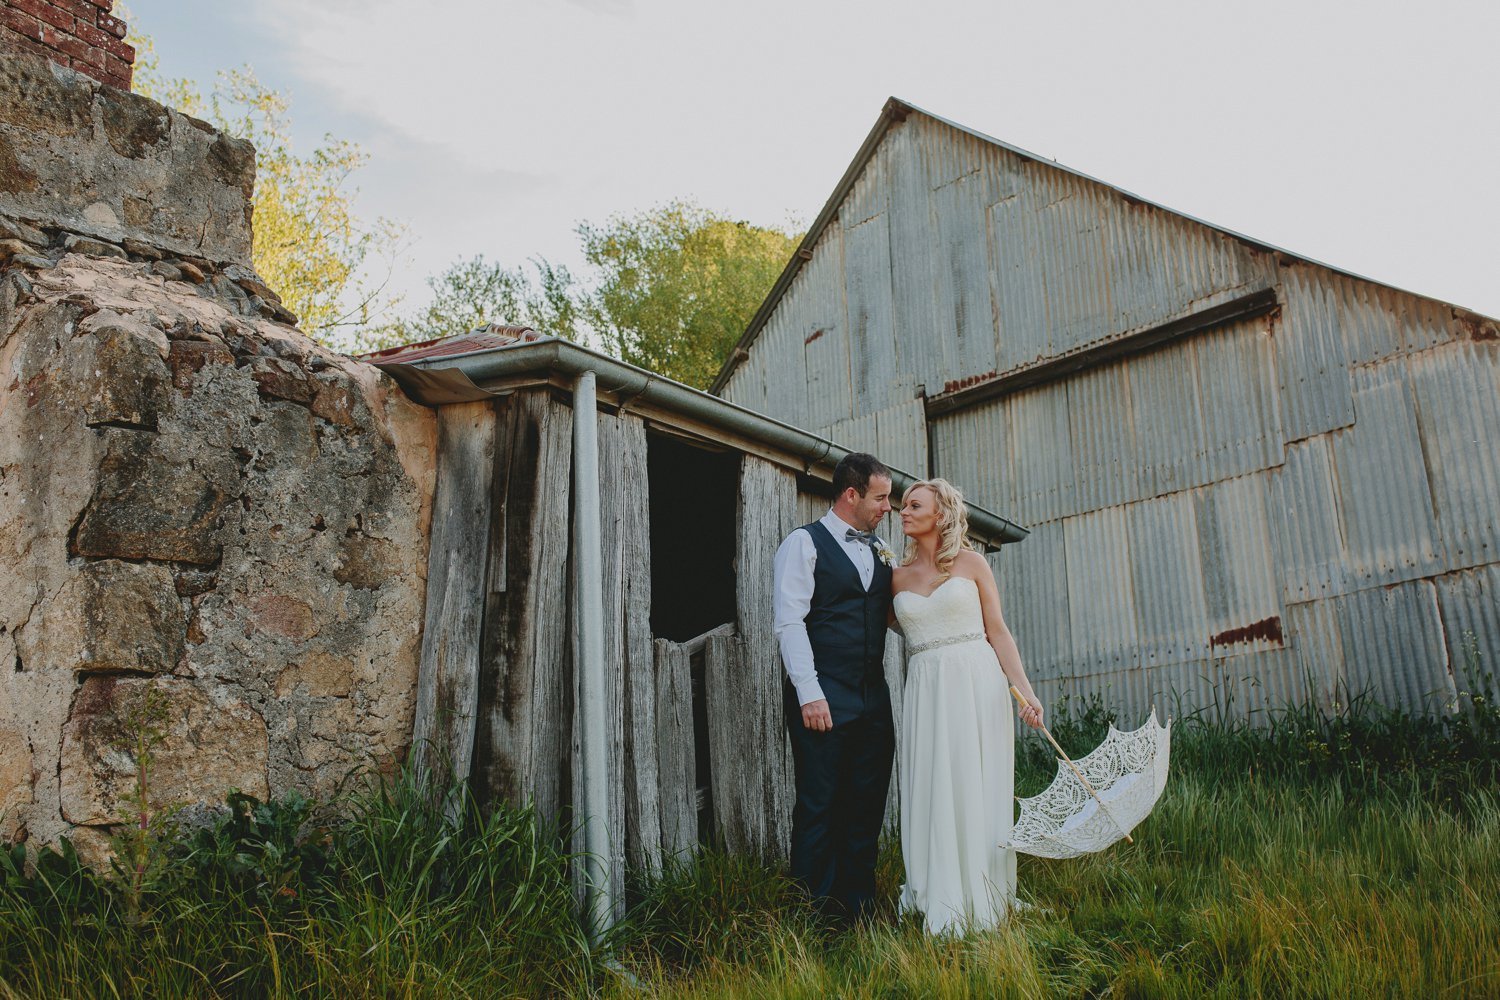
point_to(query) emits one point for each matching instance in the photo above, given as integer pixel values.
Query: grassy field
(1356, 855)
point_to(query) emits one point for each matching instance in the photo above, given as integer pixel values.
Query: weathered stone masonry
(195, 499)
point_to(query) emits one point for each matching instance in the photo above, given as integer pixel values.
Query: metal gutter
(463, 376)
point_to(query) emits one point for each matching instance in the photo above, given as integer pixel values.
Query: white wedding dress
(957, 764)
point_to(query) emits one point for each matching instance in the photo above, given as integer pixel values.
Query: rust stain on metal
(1268, 629)
(1477, 328)
(953, 385)
(813, 336)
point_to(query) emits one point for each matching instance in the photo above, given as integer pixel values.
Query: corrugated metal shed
(1252, 479)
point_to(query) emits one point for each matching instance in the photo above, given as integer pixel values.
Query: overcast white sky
(1362, 135)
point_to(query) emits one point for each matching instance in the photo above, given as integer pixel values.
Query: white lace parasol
(1127, 771)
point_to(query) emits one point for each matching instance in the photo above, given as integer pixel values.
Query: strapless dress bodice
(950, 614)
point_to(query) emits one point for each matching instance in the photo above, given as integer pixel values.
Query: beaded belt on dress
(951, 640)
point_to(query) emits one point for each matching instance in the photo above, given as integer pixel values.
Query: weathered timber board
(523, 746)
(626, 527)
(752, 758)
(443, 733)
(675, 749)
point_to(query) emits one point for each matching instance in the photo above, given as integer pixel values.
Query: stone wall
(202, 514)
(104, 163)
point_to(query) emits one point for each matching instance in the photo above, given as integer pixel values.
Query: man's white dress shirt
(794, 590)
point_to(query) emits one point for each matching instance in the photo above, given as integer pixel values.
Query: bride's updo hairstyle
(952, 523)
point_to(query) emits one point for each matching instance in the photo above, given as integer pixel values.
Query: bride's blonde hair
(953, 523)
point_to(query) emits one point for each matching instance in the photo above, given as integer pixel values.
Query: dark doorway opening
(693, 493)
(694, 503)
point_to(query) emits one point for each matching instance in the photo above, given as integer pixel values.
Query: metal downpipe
(593, 685)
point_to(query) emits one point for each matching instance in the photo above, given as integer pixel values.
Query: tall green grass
(1323, 855)
(1345, 854)
(394, 899)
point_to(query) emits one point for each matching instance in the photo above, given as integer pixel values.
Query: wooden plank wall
(625, 513)
(753, 788)
(524, 742)
(677, 765)
(634, 820)
(447, 686)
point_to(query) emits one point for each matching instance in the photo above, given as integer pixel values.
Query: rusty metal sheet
(1241, 406)
(1167, 581)
(1033, 582)
(973, 452)
(901, 437)
(896, 435)
(825, 334)
(857, 434)
(1385, 507)
(1314, 631)
(1457, 392)
(1309, 538)
(1257, 685)
(909, 269)
(1021, 295)
(1167, 406)
(786, 392)
(1241, 579)
(1106, 467)
(1042, 457)
(964, 317)
(1385, 643)
(1101, 597)
(1312, 365)
(872, 318)
(869, 196)
(1469, 602)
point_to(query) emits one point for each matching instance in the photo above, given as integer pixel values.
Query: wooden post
(448, 677)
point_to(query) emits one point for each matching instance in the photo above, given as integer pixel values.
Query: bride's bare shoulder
(971, 564)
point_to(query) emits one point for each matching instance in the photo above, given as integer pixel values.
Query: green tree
(476, 291)
(329, 266)
(675, 286)
(670, 289)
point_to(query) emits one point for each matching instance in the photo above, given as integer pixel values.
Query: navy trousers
(843, 776)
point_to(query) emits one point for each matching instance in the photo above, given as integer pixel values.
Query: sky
(1363, 135)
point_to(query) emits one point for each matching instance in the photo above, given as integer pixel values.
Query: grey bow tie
(868, 537)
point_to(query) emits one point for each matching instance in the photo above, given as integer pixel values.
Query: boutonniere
(883, 552)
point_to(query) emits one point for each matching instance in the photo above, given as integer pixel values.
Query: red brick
(81, 9)
(21, 22)
(118, 49)
(102, 4)
(112, 24)
(116, 72)
(71, 7)
(44, 11)
(72, 46)
(91, 34)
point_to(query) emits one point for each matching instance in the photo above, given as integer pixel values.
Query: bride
(957, 749)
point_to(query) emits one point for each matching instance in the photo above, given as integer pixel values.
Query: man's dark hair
(855, 469)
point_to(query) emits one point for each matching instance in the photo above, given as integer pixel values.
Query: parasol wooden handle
(1061, 753)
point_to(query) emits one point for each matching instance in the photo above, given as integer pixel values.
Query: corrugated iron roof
(482, 338)
(896, 111)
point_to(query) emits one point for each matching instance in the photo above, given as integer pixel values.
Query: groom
(833, 596)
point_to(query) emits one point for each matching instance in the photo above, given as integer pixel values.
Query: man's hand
(816, 717)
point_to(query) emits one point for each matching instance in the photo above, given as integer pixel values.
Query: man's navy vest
(846, 626)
